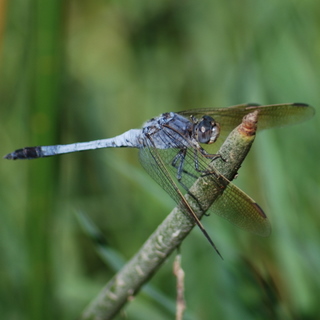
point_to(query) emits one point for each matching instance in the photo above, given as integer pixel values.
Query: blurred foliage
(83, 70)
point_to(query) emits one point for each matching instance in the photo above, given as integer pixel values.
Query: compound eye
(207, 130)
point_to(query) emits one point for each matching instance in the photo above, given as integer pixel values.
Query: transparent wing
(156, 165)
(241, 210)
(270, 116)
(232, 204)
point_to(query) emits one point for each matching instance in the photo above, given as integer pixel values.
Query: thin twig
(179, 273)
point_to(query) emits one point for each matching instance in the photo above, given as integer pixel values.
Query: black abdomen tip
(25, 153)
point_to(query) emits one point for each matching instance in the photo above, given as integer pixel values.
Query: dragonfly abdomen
(129, 139)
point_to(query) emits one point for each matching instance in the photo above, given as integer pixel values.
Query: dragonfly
(172, 151)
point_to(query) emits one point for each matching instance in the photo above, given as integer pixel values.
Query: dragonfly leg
(178, 163)
(212, 156)
(207, 155)
(206, 172)
(196, 162)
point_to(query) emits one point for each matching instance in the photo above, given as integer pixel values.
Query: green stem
(44, 81)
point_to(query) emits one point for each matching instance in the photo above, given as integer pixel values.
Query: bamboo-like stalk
(169, 235)
(43, 82)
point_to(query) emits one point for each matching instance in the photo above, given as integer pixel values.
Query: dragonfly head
(206, 130)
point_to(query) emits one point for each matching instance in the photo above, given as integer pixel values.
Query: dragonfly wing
(158, 163)
(238, 208)
(232, 203)
(155, 164)
(270, 116)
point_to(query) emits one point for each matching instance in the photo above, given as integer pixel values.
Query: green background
(82, 70)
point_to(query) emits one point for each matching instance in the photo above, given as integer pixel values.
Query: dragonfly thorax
(207, 130)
